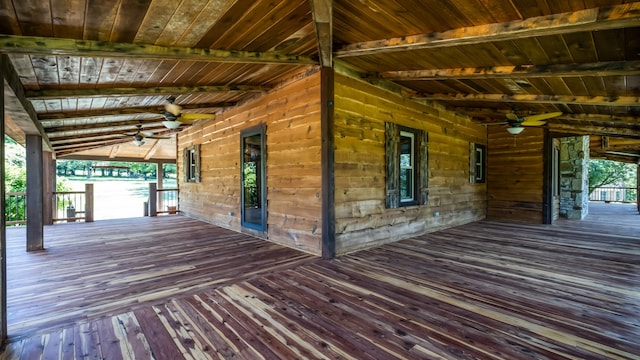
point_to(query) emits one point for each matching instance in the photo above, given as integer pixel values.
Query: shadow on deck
(173, 287)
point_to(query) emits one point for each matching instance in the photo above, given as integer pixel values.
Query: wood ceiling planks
(192, 43)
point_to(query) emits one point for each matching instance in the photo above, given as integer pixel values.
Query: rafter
(101, 125)
(32, 45)
(22, 113)
(127, 111)
(594, 130)
(171, 90)
(613, 17)
(56, 140)
(537, 99)
(323, 21)
(606, 68)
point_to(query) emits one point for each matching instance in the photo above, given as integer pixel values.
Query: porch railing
(15, 208)
(71, 206)
(614, 194)
(162, 201)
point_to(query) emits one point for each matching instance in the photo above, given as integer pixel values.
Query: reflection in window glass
(406, 166)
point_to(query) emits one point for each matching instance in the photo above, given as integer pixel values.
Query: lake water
(117, 199)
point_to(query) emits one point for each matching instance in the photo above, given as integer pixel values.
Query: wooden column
(49, 186)
(328, 162)
(88, 203)
(35, 232)
(153, 199)
(547, 184)
(3, 229)
(159, 176)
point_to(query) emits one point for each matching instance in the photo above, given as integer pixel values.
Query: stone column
(574, 177)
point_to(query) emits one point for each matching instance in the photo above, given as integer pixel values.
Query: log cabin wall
(362, 219)
(291, 114)
(515, 175)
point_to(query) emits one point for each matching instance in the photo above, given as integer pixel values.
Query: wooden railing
(614, 194)
(162, 201)
(15, 208)
(71, 206)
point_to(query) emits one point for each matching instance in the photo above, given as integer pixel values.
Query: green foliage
(606, 172)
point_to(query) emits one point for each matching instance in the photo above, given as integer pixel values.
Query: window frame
(420, 166)
(478, 163)
(191, 161)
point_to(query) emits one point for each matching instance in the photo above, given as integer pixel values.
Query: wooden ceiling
(87, 72)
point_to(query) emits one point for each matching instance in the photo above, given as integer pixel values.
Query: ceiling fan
(174, 117)
(517, 122)
(139, 136)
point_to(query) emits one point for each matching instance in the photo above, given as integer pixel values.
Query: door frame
(248, 132)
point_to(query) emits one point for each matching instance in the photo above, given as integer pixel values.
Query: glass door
(253, 199)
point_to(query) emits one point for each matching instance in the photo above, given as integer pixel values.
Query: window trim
(478, 163)
(393, 167)
(191, 161)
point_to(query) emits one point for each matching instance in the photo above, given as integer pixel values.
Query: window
(191, 161)
(407, 175)
(477, 157)
(407, 166)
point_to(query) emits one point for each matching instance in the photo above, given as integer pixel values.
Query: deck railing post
(153, 199)
(88, 203)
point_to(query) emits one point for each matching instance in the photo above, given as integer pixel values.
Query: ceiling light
(138, 142)
(171, 124)
(515, 130)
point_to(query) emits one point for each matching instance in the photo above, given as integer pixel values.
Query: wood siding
(515, 175)
(362, 219)
(291, 114)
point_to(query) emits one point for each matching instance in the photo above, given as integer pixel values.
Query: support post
(159, 176)
(327, 154)
(35, 223)
(153, 199)
(3, 229)
(49, 186)
(88, 202)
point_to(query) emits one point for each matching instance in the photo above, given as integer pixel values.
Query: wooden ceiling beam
(613, 17)
(56, 140)
(17, 106)
(536, 99)
(33, 45)
(127, 111)
(101, 125)
(323, 21)
(605, 68)
(169, 90)
(594, 130)
(71, 156)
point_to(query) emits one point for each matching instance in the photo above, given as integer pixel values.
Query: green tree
(606, 172)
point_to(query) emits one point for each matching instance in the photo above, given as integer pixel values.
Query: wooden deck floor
(148, 289)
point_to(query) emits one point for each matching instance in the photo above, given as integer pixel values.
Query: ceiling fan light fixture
(171, 124)
(138, 142)
(515, 130)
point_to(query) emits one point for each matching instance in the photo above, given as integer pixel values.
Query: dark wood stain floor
(174, 288)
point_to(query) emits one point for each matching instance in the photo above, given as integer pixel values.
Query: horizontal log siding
(292, 117)
(515, 175)
(362, 220)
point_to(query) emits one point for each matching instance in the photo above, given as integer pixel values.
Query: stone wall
(574, 177)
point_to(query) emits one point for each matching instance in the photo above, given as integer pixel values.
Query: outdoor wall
(362, 219)
(291, 114)
(515, 175)
(574, 177)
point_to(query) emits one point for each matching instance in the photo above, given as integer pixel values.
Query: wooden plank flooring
(485, 290)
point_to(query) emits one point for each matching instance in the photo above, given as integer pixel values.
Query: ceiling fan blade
(194, 116)
(158, 137)
(544, 116)
(146, 133)
(173, 109)
(513, 116)
(533, 123)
